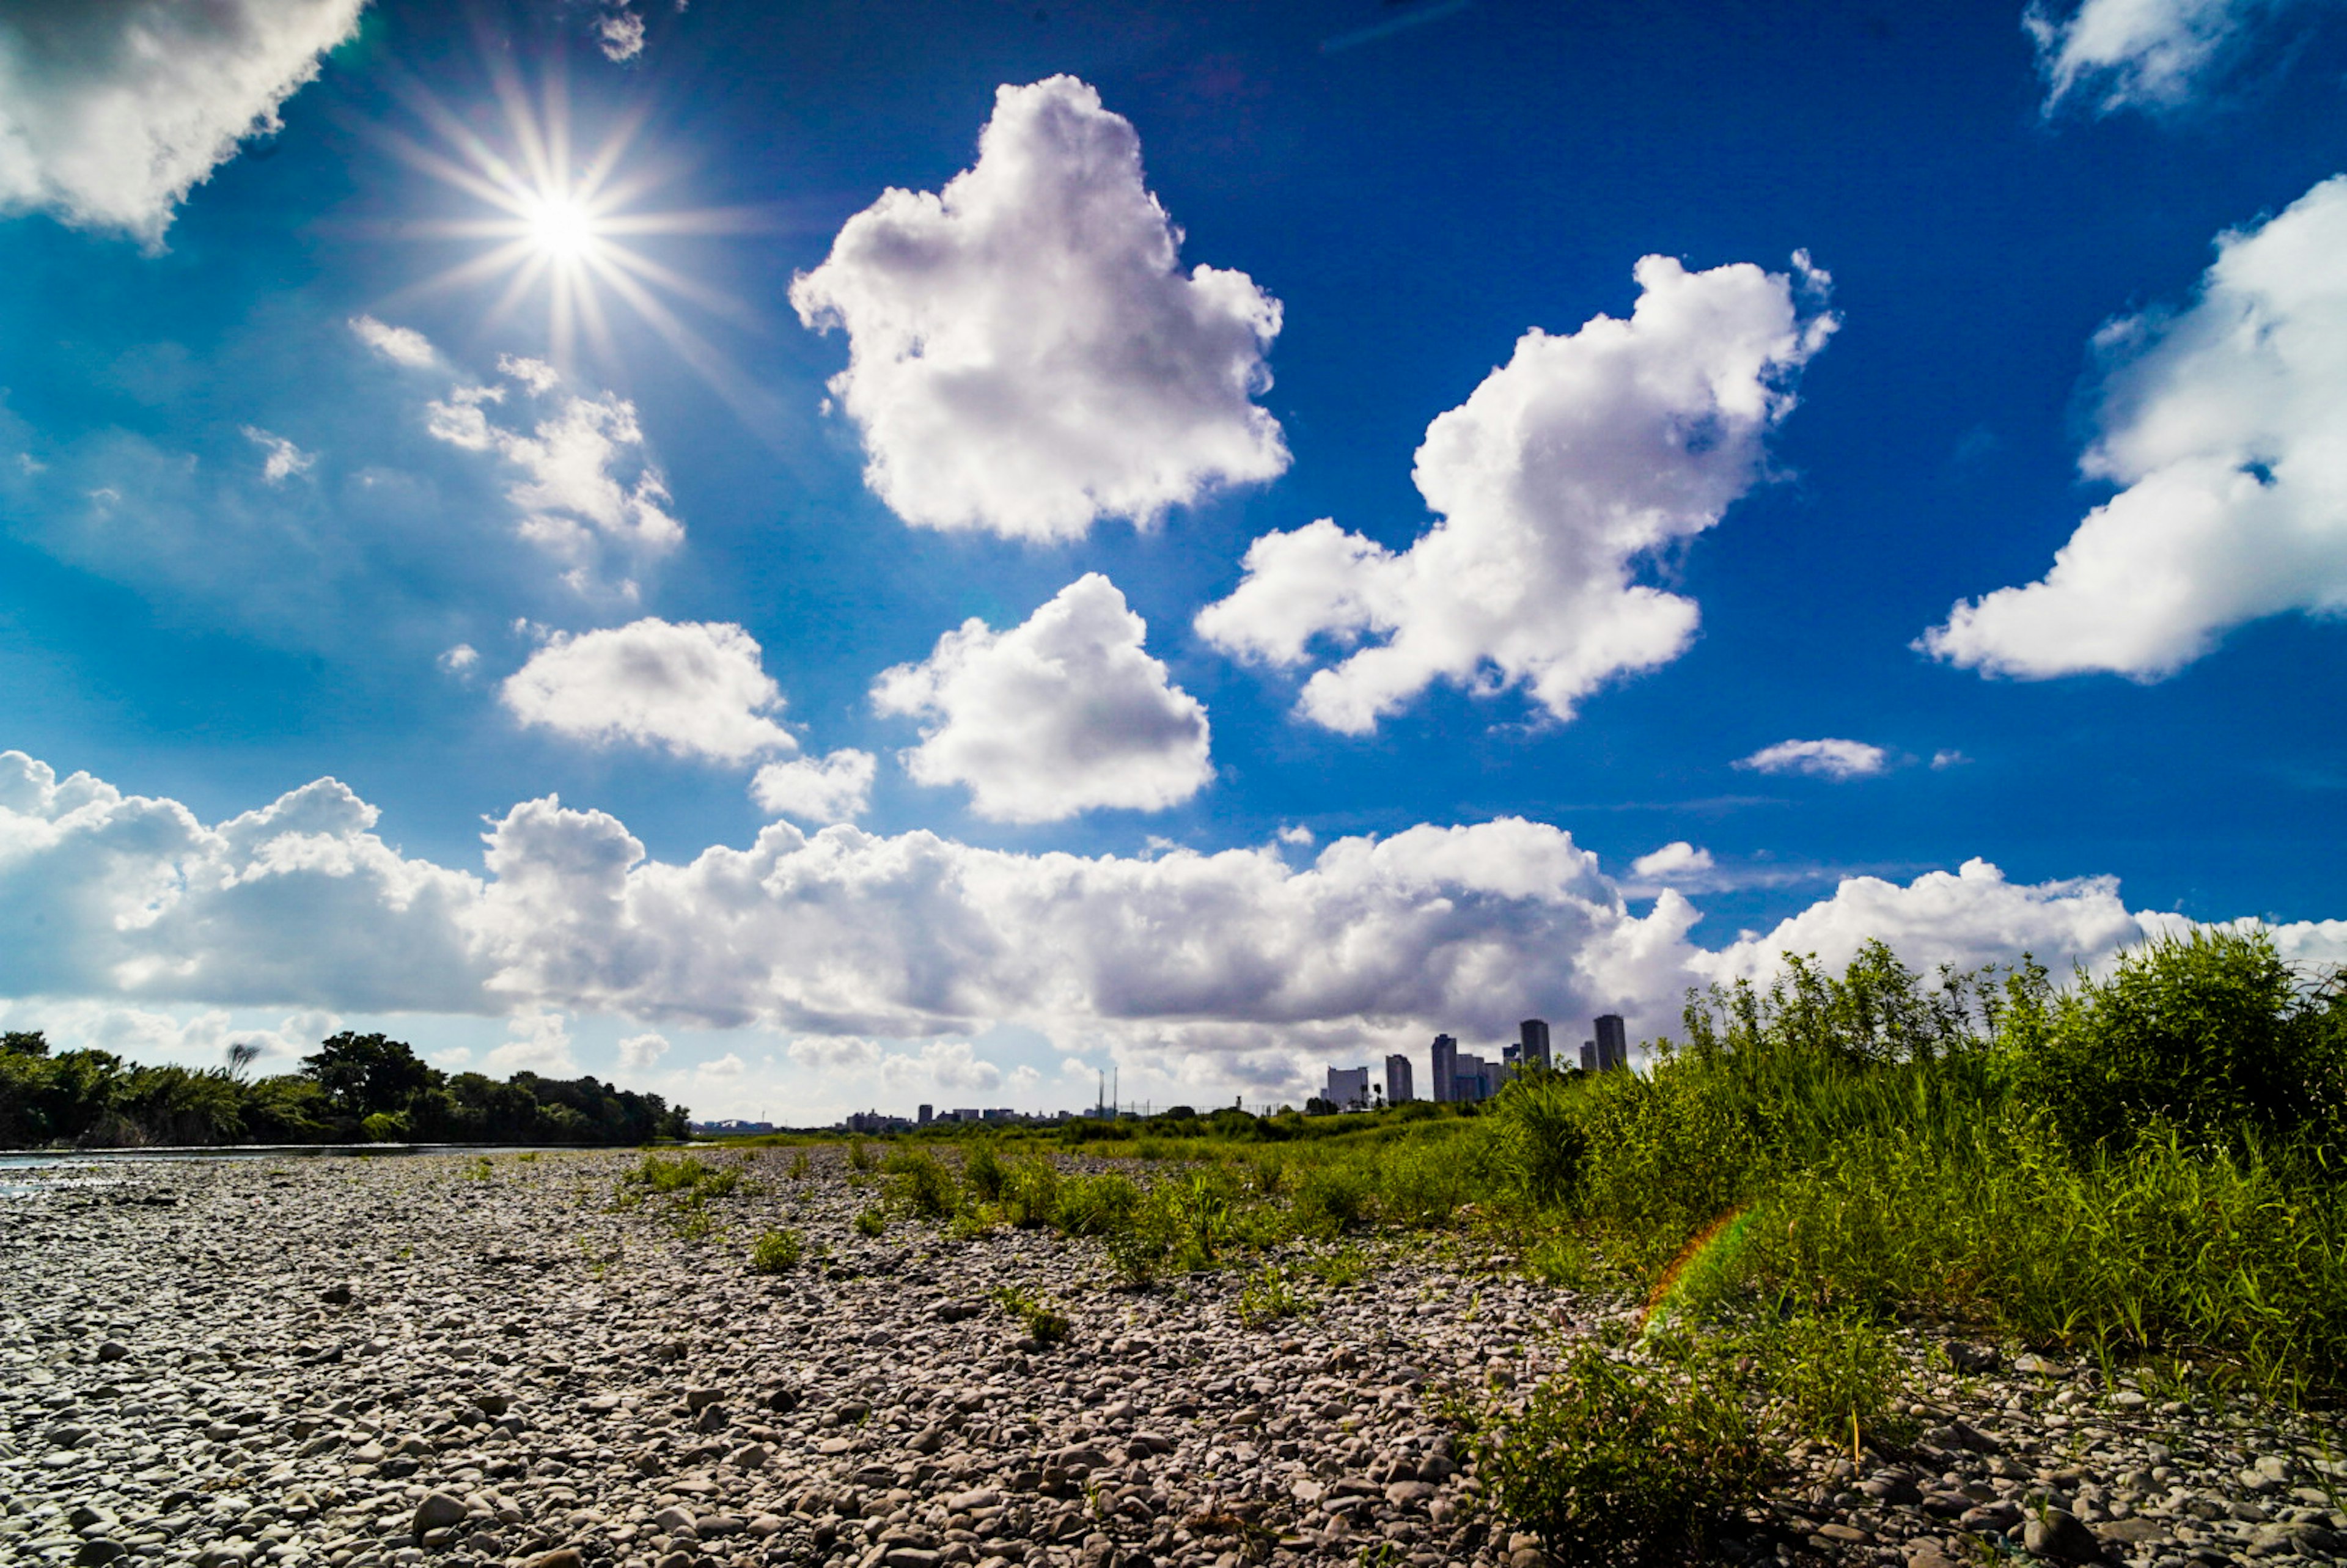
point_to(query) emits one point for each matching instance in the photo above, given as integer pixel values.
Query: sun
(562, 228)
(557, 224)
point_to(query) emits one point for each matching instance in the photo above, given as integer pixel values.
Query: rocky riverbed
(399, 1361)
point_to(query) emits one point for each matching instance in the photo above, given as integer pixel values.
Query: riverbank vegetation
(356, 1088)
(2142, 1166)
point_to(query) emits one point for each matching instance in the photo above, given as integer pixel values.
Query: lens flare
(558, 226)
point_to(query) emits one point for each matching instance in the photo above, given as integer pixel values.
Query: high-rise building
(1348, 1088)
(1532, 1048)
(1473, 1078)
(1446, 1066)
(1398, 1087)
(929, 1113)
(1588, 1056)
(1613, 1043)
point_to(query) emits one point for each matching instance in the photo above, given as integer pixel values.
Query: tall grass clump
(2147, 1162)
(1612, 1461)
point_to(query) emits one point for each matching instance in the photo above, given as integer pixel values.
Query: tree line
(356, 1088)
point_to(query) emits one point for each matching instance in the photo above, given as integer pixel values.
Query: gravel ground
(356, 1363)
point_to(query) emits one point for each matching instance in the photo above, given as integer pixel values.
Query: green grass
(1044, 1321)
(776, 1252)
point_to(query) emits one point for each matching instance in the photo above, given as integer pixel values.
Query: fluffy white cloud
(1967, 917)
(131, 898)
(538, 1041)
(1065, 713)
(832, 788)
(1024, 354)
(642, 1052)
(1206, 969)
(1828, 759)
(695, 688)
(460, 660)
(2220, 423)
(1559, 480)
(2136, 54)
(945, 1064)
(619, 34)
(112, 111)
(588, 494)
(833, 1053)
(1680, 859)
(284, 459)
(729, 1065)
(401, 346)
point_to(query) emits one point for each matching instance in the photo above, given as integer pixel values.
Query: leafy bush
(859, 1158)
(2208, 1033)
(919, 1184)
(1609, 1461)
(800, 1166)
(981, 1170)
(1044, 1322)
(870, 1222)
(1833, 1376)
(776, 1252)
(1269, 1296)
(1029, 1195)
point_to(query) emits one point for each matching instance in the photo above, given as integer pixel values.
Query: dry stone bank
(361, 1363)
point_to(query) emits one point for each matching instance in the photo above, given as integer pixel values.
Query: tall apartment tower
(1348, 1088)
(1532, 1048)
(929, 1113)
(1613, 1043)
(1588, 1056)
(1398, 1087)
(1446, 1065)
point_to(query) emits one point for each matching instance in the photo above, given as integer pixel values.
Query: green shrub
(2208, 1033)
(919, 1184)
(1833, 1378)
(382, 1127)
(776, 1252)
(1269, 1296)
(870, 1224)
(1029, 1192)
(1044, 1321)
(859, 1158)
(800, 1166)
(981, 1170)
(1609, 1461)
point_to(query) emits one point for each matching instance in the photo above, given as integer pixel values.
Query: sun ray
(563, 226)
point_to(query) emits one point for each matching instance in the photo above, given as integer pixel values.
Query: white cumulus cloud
(1967, 917)
(283, 460)
(1828, 759)
(1679, 858)
(112, 111)
(1025, 355)
(945, 1063)
(642, 1052)
(2136, 54)
(832, 788)
(1233, 966)
(1559, 481)
(1065, 713)
(401, 346)
(2220, 424)
(696, 689)
(539, 1040)
(587, 492)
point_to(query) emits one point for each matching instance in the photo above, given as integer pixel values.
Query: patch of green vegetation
(919, 1184)
(800, 1166)
(1612, 1461)
(479, 1170)
(859, 1157)
(1268, 1296)
(870, 1222)
(776, 1252)
(1044, 1322)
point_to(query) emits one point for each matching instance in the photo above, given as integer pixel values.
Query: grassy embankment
(2144, 1168)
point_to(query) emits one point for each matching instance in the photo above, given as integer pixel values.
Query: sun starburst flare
(567, 228)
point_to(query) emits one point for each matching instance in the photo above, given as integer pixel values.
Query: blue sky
(1208, 540)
